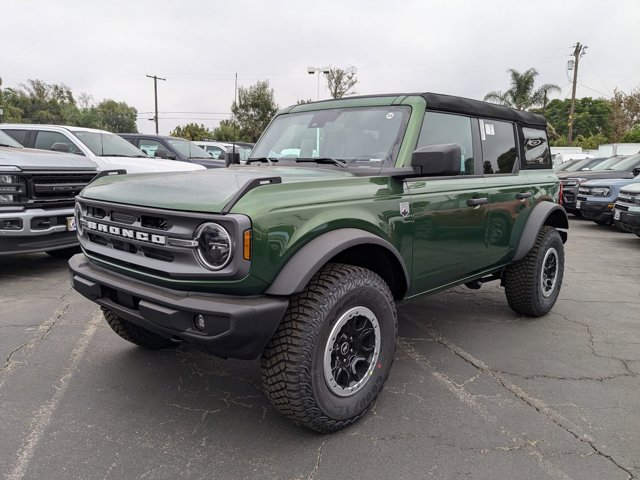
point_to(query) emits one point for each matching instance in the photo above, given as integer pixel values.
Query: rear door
(510, 196)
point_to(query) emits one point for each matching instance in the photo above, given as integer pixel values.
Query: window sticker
(488, 128)
(390, 115)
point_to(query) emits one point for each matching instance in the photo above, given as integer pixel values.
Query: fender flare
(309, 259)
(537, 218)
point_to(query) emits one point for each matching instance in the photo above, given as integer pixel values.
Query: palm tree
(521, 95)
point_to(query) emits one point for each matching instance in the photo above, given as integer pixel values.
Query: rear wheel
(329, 358)
(134, 334)
(532, 285)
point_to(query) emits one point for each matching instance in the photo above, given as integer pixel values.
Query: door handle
(476, 202)
(523, 195)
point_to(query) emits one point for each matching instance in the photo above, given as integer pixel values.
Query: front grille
(584, 190)
(155, 241)
(43, 189)
(56, 187)
(630, 198)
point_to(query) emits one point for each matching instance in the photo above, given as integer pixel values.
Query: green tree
(117, 117)
(632, 135)
(254, 109)
(340, 82)
(39, 102)
(591, 117)
(521, 95)
(625, 113)
(193, 131)
(228, 131)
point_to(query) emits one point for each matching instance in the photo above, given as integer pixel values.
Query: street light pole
(318, 70)
(155, 94)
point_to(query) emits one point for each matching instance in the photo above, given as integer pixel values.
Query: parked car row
(161, 153)
(604, 190)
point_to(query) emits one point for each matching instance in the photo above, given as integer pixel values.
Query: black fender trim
(537, 218)
(309, 259)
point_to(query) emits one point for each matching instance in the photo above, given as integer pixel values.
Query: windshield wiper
(7, 145)
(268, 160)
(329, 160)
(121, 155)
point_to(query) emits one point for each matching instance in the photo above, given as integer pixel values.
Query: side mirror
(60, 147)
(636, 171)
(161, 153)
(437, 160)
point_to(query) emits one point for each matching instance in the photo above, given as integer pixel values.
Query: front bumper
(628, 221)
(38, 230)
(601, 212)
(236, 327)
(569, 195)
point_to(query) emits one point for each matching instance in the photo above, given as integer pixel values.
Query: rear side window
(499, 152)
(54, 141)
(439, 128)
(19, 136)
(536, 148)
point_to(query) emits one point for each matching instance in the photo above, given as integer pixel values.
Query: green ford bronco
(344, 208)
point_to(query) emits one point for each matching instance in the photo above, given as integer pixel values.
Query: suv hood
(32, 159)
(207, 191)
(144, 165)
(632, 187)
(594, 174)
(615, 182)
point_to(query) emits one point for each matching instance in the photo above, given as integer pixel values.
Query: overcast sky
(458, 47)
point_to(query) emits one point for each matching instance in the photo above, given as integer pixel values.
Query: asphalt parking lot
(475, 392)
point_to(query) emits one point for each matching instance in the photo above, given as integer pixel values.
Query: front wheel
(329, 358)
(532, 285)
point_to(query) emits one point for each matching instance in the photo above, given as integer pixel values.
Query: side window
(55, 141)
(449, 128)
(215, 152)
(19, 136)
(536, 148)
(499, 152)
(149, 146)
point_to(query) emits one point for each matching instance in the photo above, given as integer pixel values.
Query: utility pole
(155, 94)
(578, 52)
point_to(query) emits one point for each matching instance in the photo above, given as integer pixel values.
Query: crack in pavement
(562, 422)
(42, 331)
(318, 460)
(558, 377)
(592, 347)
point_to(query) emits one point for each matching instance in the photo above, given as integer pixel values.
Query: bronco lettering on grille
(127, 233)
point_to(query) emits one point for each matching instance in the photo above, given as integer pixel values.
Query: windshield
(626, 163)
(609, 163)
(588, 163)
(188, 148)
(107, 144)
(360, 137)
(568, 166)
(7, 141)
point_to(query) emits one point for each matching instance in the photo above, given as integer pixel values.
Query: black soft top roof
(449, 103)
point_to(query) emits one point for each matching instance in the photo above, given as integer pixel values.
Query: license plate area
(71, 224)
(578, 202)
(616, 214)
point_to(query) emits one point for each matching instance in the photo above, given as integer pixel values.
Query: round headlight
(214, 246)
(78, 213)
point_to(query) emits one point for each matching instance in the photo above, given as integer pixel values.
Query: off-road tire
(293, 372)
(522, 280)
(134, 334)
(63, 252)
